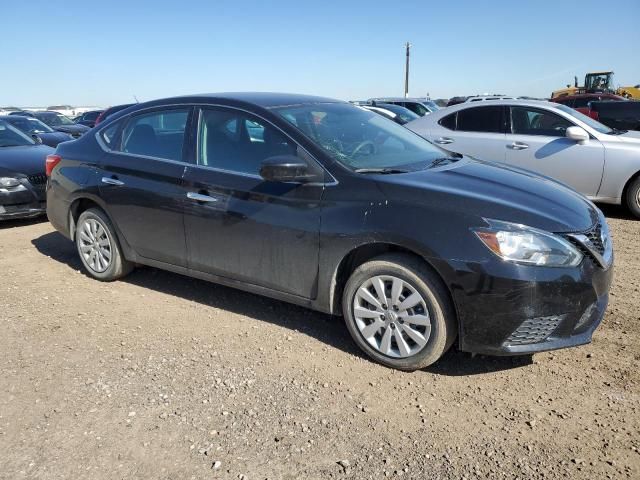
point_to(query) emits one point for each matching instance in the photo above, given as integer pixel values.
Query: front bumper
(507, 309)
(25, 201)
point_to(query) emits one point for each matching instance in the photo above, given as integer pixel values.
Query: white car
(549, 138)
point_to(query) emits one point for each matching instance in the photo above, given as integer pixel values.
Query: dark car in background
(581, 101)
(37, 130)
(617, 115)
(60, 123)
(22, 174)
(110, 111)
(88, 119)
(324, 204)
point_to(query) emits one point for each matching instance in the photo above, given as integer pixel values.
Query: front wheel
(98, 247)
(399, 312)
(633, 197)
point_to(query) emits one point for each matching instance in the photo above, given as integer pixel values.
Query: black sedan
(88, 119)
(37, 130)
(61, 123)
(324, 204)
(22, 174)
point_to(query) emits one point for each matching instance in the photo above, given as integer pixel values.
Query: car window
(158, 134)
(416, 108)
(109, 134)
(480, 119)
(239, 142)
(532, 121)
(449, 121)
(582, 102)
(90, 116)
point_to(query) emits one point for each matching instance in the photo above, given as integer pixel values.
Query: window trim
(329, 179)
(540, 110)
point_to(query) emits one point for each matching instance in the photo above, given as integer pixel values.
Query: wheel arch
(625, 189)
(365, 252)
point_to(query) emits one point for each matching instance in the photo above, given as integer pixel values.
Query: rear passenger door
(477, 131)
(240, 226)
(141, 182)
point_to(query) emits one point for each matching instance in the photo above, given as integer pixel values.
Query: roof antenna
(136, 99)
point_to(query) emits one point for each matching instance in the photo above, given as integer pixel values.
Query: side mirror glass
(285, 168)
(36, 139)
(578, 134)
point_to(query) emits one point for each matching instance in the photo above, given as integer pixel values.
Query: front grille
(534, 330)
(39, 179)
(589, 242)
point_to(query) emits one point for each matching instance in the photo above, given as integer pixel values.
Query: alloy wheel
(392, 316)
(94, 245)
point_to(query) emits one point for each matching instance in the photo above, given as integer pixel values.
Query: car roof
(506, 102)
(397, 99)
(263, 99)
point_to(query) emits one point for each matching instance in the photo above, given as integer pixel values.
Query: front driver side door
(537, 142)
(240, 226)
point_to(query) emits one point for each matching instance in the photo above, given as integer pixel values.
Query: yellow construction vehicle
(598, 82)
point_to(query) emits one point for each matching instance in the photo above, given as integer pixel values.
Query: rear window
(480, 119)
(449, 121)
(157, 134)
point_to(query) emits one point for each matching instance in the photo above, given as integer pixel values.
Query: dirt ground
(164, 377)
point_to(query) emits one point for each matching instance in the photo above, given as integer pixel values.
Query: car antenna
(136, 99)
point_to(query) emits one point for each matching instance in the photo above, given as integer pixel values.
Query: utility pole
(406, 72)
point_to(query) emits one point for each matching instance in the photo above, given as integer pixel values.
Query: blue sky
(101, 53)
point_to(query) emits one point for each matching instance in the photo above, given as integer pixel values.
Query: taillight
(52, 161)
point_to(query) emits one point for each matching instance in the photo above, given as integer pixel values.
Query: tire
(633, 197)
(98, 247)
(434, 314)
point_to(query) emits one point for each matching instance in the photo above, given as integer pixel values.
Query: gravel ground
(161, 376)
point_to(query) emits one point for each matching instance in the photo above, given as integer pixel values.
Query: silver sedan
(548, 138)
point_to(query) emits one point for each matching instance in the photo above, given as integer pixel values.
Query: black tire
(418, 274)
(633, 197)
(118, 266)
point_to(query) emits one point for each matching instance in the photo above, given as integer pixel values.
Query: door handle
(112, 181)
(444, 140)
(518, 146)
(199, 197)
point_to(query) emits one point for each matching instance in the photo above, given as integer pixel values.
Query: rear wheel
(633, 197)
(98, 247)
(398, 312)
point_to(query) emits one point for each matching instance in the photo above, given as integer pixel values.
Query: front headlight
(528, 245)
(8, 182)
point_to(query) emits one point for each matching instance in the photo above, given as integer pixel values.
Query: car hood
(28, 160)
(630, 136)
(54, 138)
(501, 192)
(72, 128)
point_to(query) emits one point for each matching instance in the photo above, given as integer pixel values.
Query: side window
(242, 149)
(530, 121)
(480, 119)
(108, 135)
(582, 102)
(449, 121)
(157, 134)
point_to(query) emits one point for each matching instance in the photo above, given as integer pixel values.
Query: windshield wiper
(443, 160)
(380, 170)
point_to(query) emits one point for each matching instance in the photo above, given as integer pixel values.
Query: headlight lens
(9, 182)
(527, 245)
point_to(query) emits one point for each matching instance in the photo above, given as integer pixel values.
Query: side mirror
(578, 134)
(284, 168)
(36, 139)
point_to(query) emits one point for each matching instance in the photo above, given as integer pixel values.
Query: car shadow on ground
(325, 328)
(616, 211)
(21, 222)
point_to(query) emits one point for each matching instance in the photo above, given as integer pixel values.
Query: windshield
(54, 120)
(597, 126)
(433, 106)
(12, 137)
(30, 125)
(360, 139)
